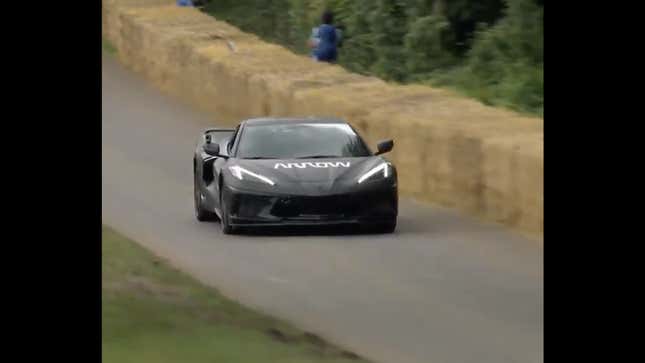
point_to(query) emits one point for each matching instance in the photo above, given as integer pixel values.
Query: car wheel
(201, 214)
(389, 227)
(224, 223)
(385, 227)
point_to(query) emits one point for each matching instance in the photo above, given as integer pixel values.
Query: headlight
(384, 168)
(239, 173)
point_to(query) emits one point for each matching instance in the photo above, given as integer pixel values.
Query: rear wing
(218, 129)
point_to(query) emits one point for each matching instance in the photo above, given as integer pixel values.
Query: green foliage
(427, 46)
(489, 49)
(507, 60)
(108, 47)
(358, 52)
(464, 15)
(389, 26)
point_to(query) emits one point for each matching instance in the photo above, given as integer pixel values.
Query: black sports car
(287, 172)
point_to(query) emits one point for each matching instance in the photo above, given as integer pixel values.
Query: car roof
(291, 120)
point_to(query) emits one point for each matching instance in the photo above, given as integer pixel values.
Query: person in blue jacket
(184, 3)
(325, 40)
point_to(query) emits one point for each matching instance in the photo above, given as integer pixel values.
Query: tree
(507, 60)
(427, 46)
(358, 52)
(389, 26)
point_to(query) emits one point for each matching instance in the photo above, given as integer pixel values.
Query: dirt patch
(319, 345)
(350, 355)
(142, 286)
(314, 340)
(278, 335)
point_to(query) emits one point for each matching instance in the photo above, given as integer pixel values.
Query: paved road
(442, 289)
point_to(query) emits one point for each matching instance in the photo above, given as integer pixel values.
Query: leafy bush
(507, 60)
(427, 46)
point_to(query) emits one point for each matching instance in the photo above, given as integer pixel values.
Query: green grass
(154, 313)
(108, 47)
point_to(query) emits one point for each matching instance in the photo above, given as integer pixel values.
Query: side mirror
(384, 147)
(211, 149)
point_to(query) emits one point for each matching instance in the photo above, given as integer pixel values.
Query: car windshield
(300, 140)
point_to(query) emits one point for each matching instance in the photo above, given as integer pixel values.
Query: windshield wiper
(259, 158)
(318, 157)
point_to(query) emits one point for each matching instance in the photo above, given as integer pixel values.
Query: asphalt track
(442, 289)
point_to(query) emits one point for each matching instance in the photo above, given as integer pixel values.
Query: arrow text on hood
(319, 164)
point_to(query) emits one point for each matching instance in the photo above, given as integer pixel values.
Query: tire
(224, 223)
(201, 214)
(385, 227)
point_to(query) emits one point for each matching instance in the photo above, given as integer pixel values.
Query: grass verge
(108, 47)
(154, 313)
